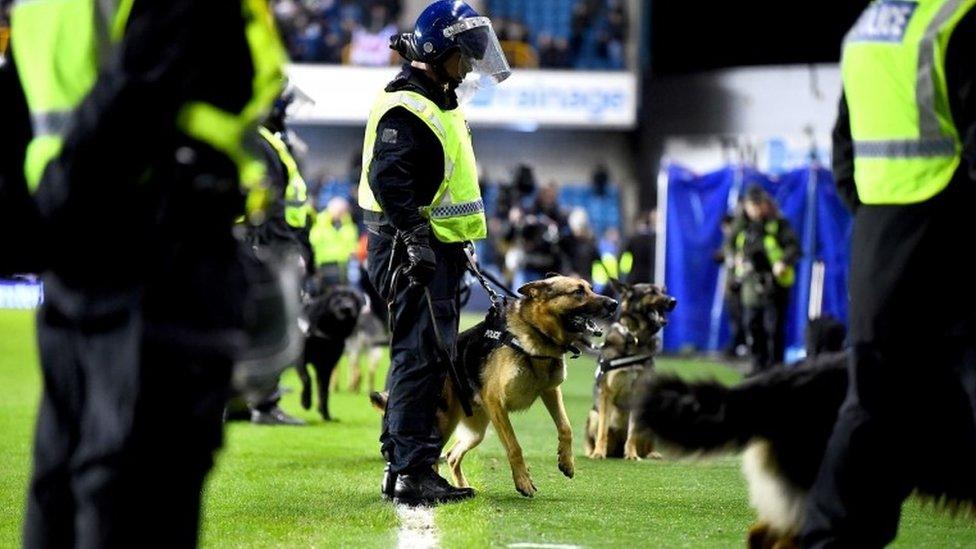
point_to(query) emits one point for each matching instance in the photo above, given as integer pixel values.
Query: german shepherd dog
(629, 350)
(332, 316)
(554, 315)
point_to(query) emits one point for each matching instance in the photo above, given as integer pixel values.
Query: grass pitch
(317, 486)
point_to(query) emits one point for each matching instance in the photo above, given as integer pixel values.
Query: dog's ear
(551, 274)
(534, 289)
(621, 288)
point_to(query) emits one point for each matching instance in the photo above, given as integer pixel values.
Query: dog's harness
(508, 339)
(604, 366)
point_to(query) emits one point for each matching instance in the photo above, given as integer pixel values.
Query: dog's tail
(707, 417)
(378, 400)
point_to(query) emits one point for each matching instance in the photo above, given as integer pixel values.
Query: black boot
(425, 487)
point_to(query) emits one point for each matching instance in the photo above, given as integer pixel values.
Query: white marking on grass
(527, 545)
(417, 528)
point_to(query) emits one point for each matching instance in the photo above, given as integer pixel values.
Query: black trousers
(766, 329)
(908, 420)
(410, 438)
(126, 433)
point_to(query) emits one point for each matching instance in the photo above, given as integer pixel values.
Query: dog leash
(484, 278)
(452, 371)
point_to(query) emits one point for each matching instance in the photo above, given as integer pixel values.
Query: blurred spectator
(580, 246)
(371, 42)
(331, 31)
(637, 260)
(554, 52)
(547, 205)
(600, 180)
(535, 234)
(598, 32)
(523, 184)
(593, 35)
(515, 42)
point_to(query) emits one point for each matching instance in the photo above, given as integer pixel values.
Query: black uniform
(764, 301)
(913, 331)
(135, 343)
(406, 171)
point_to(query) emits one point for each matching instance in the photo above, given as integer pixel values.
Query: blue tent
(695, 205)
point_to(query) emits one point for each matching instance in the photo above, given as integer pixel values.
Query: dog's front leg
(553, 399)
(503, 426)
(631, 450)
(602, 427)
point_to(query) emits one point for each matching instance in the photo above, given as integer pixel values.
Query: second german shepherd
(629, 350)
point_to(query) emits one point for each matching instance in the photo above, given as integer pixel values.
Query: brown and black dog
(628, 351)
(553, 316)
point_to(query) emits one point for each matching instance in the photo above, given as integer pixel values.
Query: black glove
(421, 262)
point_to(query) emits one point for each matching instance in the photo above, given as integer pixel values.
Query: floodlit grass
(317, 486)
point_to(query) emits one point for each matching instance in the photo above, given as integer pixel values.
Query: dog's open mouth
(584, 325)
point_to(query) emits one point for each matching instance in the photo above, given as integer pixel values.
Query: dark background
(693, 36)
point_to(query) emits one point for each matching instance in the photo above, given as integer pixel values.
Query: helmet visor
(479, 45)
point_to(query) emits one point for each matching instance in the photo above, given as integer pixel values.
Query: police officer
(421, 201)
(903, 156)
(334, 238)
(287, 225)
(764, 248)
(282, 235)
(138, 111)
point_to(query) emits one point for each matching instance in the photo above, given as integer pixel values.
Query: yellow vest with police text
(457, 212)
(61, 45)
(906, 146)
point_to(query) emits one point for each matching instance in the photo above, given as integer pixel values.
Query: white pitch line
(417, 528)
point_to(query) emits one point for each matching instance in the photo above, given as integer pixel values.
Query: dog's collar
(605, 366)
(504, 337)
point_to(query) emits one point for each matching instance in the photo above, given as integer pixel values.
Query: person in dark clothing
(579, 245)
(764, 248)
(641, 248)
(419, 212)
(904, 145)
(733, 295)
(283, 233)
(135, 199)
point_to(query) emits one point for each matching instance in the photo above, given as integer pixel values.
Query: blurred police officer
(282, 235)
(765, 248)
(287, 222)
(421, 201)
(903, 156)
(138, 115)
(334, 238)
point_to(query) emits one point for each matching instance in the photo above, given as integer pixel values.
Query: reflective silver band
(50, 123)
(457, 210)
(928, 120)
(906, 148)
(466, 25)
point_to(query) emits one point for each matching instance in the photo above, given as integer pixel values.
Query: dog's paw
(654, 455)
(598, 454)
(567, 466)
(632, 455)
(525, 486)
